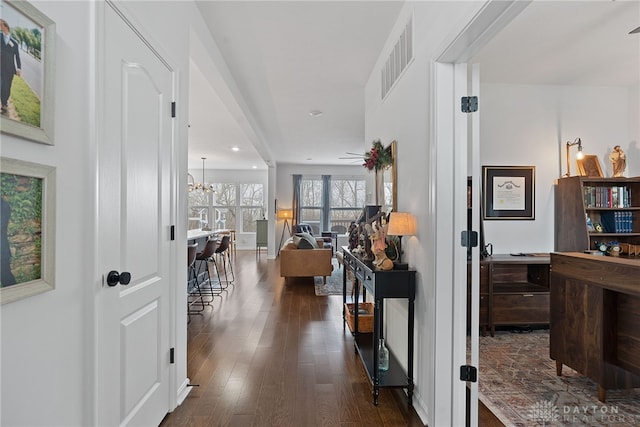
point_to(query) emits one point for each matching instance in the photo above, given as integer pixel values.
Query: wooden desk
(595, 320)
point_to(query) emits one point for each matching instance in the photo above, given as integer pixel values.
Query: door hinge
(173, 109)
(469, 238)
(468, 373)
(469, 104)
(172, 358)
(173, 232)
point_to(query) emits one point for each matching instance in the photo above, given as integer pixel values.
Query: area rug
(518, 383)
(334, 282)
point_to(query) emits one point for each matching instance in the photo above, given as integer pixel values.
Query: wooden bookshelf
(613, 203)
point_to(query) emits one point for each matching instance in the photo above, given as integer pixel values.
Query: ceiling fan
(353, 156)
(636, 31)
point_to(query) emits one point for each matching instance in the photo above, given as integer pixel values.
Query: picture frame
(508, 192)
(30, 106)
(390, 181)
(589, 166)
(27, 193)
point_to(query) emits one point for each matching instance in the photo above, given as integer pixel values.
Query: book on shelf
(617, 221)
(616, 196)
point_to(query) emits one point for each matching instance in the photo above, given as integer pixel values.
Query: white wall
(405, 116)
(633, 149)
(535, 133)
(44, 337)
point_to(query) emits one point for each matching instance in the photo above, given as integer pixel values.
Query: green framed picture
(27, 238)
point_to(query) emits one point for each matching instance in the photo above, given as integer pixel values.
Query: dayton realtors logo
(546, 412)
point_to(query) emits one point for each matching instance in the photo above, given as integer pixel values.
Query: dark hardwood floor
(270, 353)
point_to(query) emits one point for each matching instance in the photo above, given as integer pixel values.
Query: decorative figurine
(618, 161)
(377, 235)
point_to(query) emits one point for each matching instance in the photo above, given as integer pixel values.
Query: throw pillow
(289, 244)
(307, 241)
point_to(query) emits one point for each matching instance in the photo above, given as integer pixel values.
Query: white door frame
(450, 82)
(176, 269)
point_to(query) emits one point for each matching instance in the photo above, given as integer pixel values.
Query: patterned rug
(334, 282)
(518, 383)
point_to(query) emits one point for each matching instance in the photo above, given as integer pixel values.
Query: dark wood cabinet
(514, 290)
(381, 285)
(613, 204)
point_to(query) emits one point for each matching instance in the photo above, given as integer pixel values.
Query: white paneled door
(134, 210)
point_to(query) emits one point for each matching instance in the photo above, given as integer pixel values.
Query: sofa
(302, 255)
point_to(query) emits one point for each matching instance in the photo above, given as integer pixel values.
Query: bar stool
(202, 271)
(232, 238)
(222, 253)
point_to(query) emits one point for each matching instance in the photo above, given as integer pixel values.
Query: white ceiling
(567, 43)
(214, 131)
(290, 58)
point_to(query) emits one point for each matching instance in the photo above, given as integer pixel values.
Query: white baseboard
(183, 391)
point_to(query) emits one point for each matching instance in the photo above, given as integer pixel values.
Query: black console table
(381, 285)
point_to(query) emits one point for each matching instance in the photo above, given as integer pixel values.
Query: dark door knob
(113, 278)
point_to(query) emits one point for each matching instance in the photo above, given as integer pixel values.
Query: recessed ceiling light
(309, 158)
(315, 113)
(235, 149)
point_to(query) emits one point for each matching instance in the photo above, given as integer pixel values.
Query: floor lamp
(285, 214)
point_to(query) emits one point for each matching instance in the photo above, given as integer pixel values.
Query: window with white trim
(347, 198)
(251, 206)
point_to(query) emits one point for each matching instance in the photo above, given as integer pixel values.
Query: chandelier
(199, 186)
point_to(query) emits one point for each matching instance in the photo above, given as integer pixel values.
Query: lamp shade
(401, 224)
(285, 214)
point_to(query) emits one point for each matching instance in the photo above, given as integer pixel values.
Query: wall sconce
(579, 156)
(285, 214)
(401, 224)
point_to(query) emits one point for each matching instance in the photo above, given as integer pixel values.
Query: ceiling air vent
(398, 60)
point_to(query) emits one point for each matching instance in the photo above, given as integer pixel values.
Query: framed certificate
(508, 192)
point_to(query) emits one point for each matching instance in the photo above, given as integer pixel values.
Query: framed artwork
(589, 166)
(27, 193)
(508, 192)
(28, 67)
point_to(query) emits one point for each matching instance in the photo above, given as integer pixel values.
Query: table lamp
(401, 224)
(579, 156)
